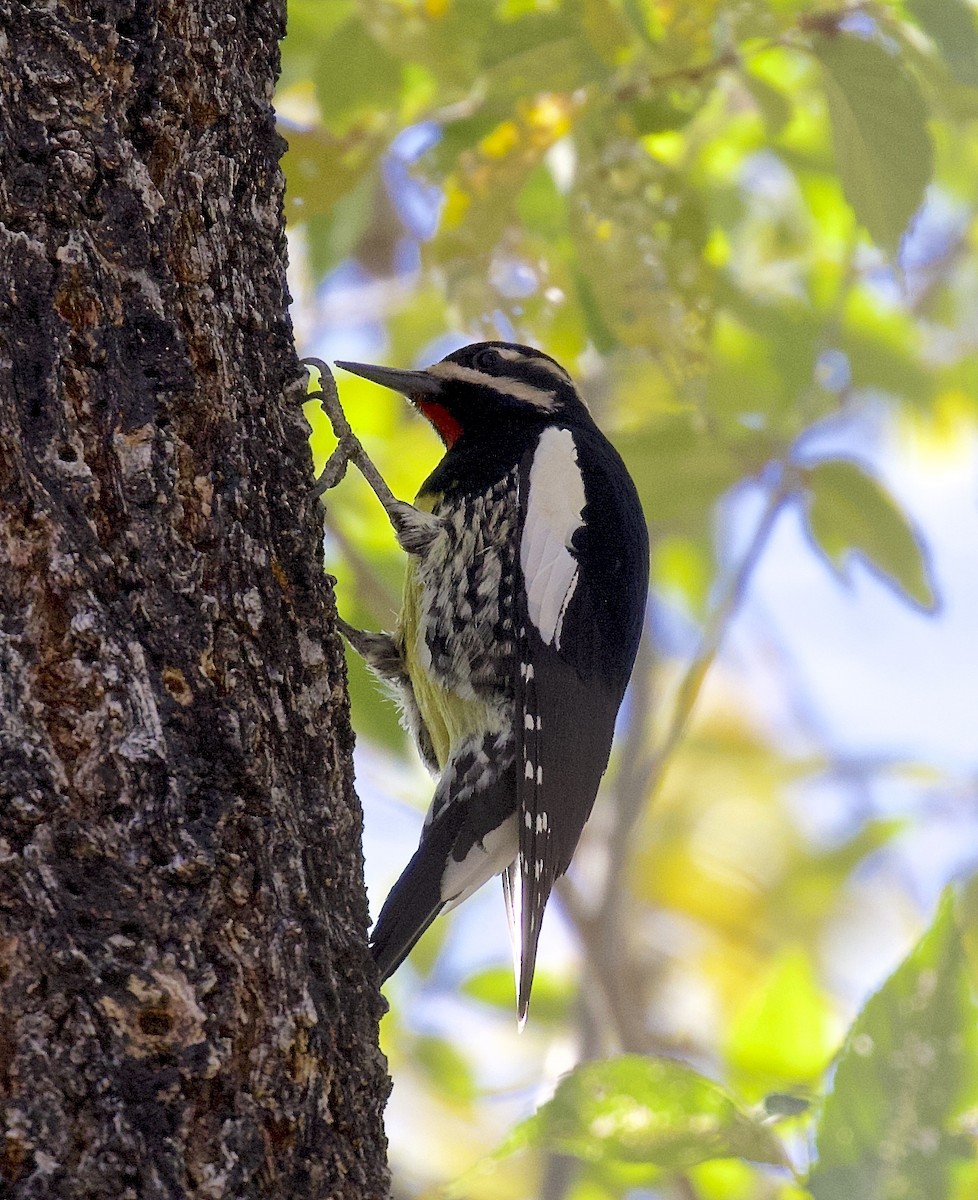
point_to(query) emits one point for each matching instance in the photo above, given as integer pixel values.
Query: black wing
(469, 836)
(584, 580)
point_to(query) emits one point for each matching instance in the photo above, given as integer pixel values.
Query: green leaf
(681, 470)
(683, 565)
(729, 1179)
(767, 353)
(811, 890)
(773, 105)
(663, 110)
(445, 1066)
(540, 205)
(883, 354)
(457, 136)
(597, 327)
(904, 1077)
(371, 78)
(494, 986)
(782, 1034)
(321, 170)
(968, 922)
(645, 1110)
(851, 512)
(879, 130)
(953, 25)
(558, 66)
(332, 236)
(507, 37)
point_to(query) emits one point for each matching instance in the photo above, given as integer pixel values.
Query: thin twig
(736, 588)
(558, 1175)
(690, 74)
(826, 23)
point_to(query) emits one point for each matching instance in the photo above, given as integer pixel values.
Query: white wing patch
(486, 858)
(553, 515)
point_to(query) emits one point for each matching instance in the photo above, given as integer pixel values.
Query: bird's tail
(449, 865)
(471, 838)
(524, 944)
(414, 902)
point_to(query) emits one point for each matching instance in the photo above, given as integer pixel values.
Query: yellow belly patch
(448, 717)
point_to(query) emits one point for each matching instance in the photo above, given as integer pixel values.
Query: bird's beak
(409, 383)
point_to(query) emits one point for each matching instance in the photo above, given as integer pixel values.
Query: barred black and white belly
(466, 584)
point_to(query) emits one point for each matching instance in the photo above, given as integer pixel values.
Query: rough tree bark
(186, 1004)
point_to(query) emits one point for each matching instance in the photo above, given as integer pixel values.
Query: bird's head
(475, 389)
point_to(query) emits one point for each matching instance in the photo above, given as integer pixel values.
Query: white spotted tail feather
(582, 603)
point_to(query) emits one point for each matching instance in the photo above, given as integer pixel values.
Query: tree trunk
(187, 1008)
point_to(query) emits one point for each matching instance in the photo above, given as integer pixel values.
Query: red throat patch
(448, 428)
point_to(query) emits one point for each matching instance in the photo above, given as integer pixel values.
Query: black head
(480, 387)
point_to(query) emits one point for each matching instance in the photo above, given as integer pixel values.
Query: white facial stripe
(538, 397)
(516, 388)
(553, 514)
(544, 364)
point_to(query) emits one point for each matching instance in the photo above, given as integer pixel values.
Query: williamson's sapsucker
(528, 562)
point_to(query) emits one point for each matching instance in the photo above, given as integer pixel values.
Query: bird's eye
(486, 360)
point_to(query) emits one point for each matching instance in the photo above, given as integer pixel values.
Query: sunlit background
(750, 229)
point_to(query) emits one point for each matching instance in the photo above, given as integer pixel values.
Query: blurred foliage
(746, 226)
(849, 511)
(647, 1111)
(906, 1075)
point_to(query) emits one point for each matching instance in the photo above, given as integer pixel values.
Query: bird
(523, 606)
